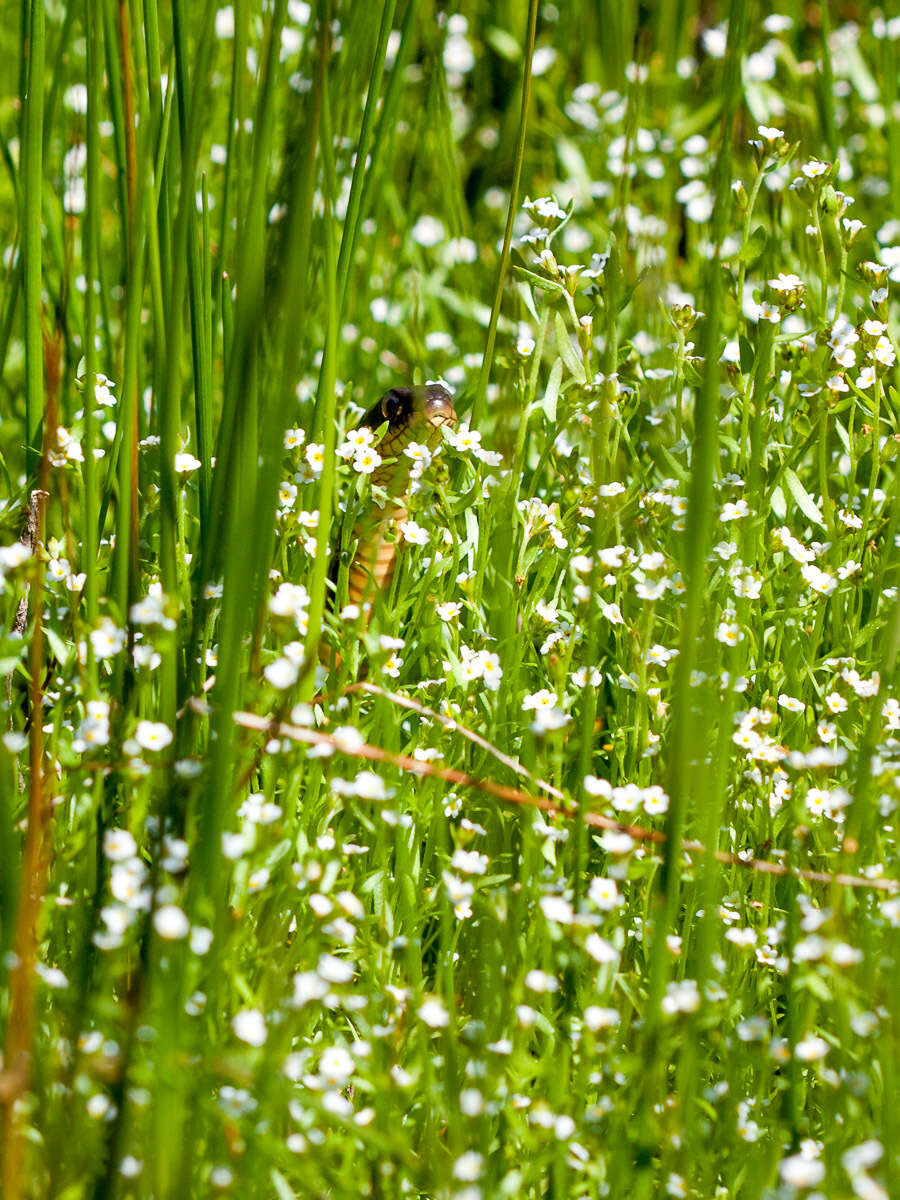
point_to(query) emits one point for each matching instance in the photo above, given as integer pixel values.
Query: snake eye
(392, 406)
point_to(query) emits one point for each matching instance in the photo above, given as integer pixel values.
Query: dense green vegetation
(572, 871)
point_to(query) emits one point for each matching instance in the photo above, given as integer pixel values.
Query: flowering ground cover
(568, 866)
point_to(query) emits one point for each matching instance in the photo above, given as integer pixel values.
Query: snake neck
(372, 569)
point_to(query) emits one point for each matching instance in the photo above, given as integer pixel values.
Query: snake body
(413, 414)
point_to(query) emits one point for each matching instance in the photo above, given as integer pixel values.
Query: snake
(411, 414)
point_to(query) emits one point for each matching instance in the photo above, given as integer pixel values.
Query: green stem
(487, 361)
(91, 242)
(827, 507)
(362, 165)
(32, 154)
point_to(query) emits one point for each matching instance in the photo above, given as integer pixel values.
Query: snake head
(413, 413)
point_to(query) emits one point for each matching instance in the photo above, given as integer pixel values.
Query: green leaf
(859, 74)
(61, 650)
(779, 507)
(802, 498)
(629, 292)
(551, 395)
(754, 246)
(573, 163)
(472, 529)
(546, 285)
(282, 1187)
(819, 988)
(503, 43)
(567, 354)
(528, 300)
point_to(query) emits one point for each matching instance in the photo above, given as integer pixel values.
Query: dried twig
(512, 795)
(20, 1026)
(453, 726)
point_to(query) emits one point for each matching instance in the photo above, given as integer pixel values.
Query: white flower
(815, 168)
(434, 1014)
(370, 786)
(597, 787)
(282, 673)
(544, 207)
(107, 639)
(603, 892)
(186, 463)
(126, 882)
(259, 879)
(366, 460)
(429, 231)
(468, 1167)
(681, 997)
(130, 1167)
(799, 1171)
(287, 495)
(419, 453)
(862, 1157)
(546, 720)
(596, 1018)
(491, 671)
(735, 511)
(659, 655)
(333, 969)
(656, 801)
(357, 440)
(820, 581)
(811, 1048)
(413, 533)
(224, 27)
(170, 922)
(249, 1026)
(786, 283)
(470, 862)
(600, 950)
(308, 987)
(94, 728)
(99, 1105)
(119, 845)
(151, 610)
(315, 457)
(540, 699)
(258, 811)
(459, 893)
(558, 909)
(290, 600)
(608, 490)
(336, 1066)
(866, 378)
(729, 633)
(612, 613)
(541, 982)
(464, 439)
(201, 939)
(153, 735)
(348, 739)
(13, 556)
